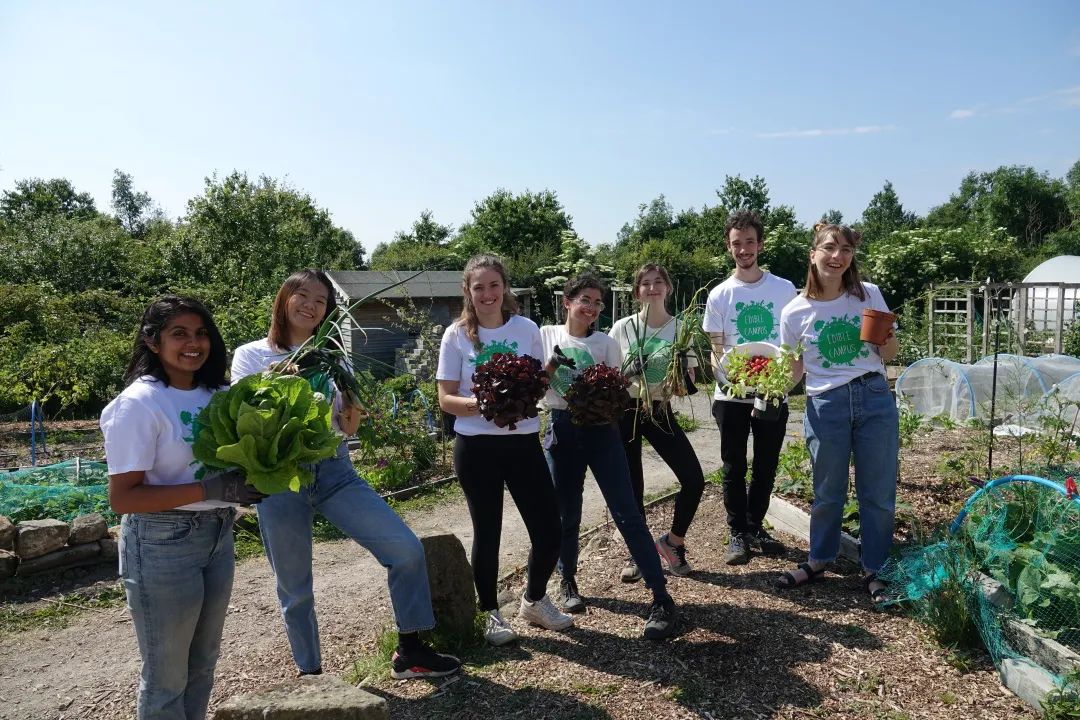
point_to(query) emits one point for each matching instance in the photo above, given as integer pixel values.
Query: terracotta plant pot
(766, 409)
(876, 326)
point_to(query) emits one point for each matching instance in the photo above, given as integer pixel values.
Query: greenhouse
(935, 387)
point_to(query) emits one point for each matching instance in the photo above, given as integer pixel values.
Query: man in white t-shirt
(746, 308)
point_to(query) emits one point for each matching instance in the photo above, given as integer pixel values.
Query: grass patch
(58, 614)
(688, 423)
(376, 666)
(656, 495)
(716, 477)
(429, 498)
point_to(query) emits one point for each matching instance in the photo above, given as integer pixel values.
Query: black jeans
(671, 444)
(483, 463)
(746, 508)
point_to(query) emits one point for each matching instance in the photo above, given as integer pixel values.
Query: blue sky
(382, 109)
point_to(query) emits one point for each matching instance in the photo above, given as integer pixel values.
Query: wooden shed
(376, 332)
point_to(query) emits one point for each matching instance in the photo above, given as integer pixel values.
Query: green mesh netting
(61, 491)
(1009, 572)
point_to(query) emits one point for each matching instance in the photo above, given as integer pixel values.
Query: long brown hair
(650, 267)
(279, 316)
(851, 282)
(468, 319)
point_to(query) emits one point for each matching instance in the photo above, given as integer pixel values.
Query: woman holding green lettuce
(285, 519)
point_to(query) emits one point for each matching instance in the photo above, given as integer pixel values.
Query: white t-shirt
(654, 344)
(828, 330)
(597, 348)
(150, 427)
(259, 355)
(458, 359)
(746, 312)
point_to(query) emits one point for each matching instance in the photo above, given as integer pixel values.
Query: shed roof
(355, 284)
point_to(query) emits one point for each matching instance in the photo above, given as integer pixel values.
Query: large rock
(110, 549)
(453, 597)
(68, 556)
(39, 537)
(9, 561)
(7, 534)
(88, 529)
(312, 697)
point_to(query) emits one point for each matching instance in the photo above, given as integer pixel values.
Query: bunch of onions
(507, 388)
(598, 396)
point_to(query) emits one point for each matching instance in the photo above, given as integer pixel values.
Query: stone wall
(34, 546)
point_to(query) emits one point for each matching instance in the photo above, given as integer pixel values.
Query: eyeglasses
(586, 302)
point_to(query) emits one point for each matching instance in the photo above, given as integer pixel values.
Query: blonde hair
(468, 319)
(850, 281)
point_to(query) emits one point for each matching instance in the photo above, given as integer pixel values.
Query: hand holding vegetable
(231, 486)
(559, 358)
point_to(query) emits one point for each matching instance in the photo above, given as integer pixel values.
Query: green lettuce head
(268, 425)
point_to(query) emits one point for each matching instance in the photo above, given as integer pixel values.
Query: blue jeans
(570, 450)
(177, 568)
(343, 498)
(861, 418)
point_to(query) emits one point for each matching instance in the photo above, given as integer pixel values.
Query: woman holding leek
(646, 342)
(572, 446)
(304, 300)
(176, 541)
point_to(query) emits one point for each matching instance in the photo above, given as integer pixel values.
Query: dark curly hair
(740, 221)
(144, 361)
(582, 281)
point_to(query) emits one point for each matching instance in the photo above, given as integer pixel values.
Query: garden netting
(935, 387)
(1009, 571)
(61, 491)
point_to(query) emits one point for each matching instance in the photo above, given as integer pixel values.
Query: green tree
(134, 210)
(515, 225)
(832, 217)
(885, 214)
(36, 199)
(425, 247)
(249, 235)
(1029, 205)
(575, 257)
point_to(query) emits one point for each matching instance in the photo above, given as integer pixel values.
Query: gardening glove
(231, 486)
(559, 358)
(636, 367)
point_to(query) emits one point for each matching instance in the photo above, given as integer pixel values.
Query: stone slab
(40, 537)
(9, 562)
(68, 556)
(312, 697)
(7, 534)
(1026, 680)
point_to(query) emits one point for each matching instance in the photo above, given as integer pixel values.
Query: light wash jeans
(343, 498)
(571, 449)
(177, 568)
(861, 418)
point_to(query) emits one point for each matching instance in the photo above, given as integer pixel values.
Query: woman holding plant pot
(176, 542)
(490, 455)
(573, 445)
(849, 408)
(304, 300)
(646, 344)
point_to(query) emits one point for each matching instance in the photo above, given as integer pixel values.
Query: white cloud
(822, 132)
(961, 114)
(1070, 97)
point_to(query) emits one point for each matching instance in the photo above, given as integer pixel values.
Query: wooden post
(970, 313)
(930, 322)
(986, 321)
(1059, 323)
(1021, 326)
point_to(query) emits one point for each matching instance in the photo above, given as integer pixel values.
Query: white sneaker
(544, 613)
(497, 631)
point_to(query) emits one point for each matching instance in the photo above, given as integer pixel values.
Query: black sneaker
(423, 663)
(571, 601)
(302, 673)
(765, 543)
(662, 621)
(738, 550)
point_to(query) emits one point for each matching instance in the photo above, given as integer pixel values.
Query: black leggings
(671, 444)
(483, 463)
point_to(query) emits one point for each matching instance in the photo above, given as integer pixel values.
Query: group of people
(176, 556)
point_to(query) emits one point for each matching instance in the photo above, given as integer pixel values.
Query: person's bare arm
(129, 494)
(451, 402)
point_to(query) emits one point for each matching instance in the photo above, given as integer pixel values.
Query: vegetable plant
(598, 395)
(507, 388)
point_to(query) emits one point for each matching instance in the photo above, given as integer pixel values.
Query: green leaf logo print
(560, 382)
(838, 341)
(755, 321)
(656, 354)
(190, 421)
(495, 346)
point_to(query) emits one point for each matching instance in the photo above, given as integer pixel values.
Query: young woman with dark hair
(645, 339)
(488, 457)
(849, 409)
(305, 299)
(571, 449)
(176, 542)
